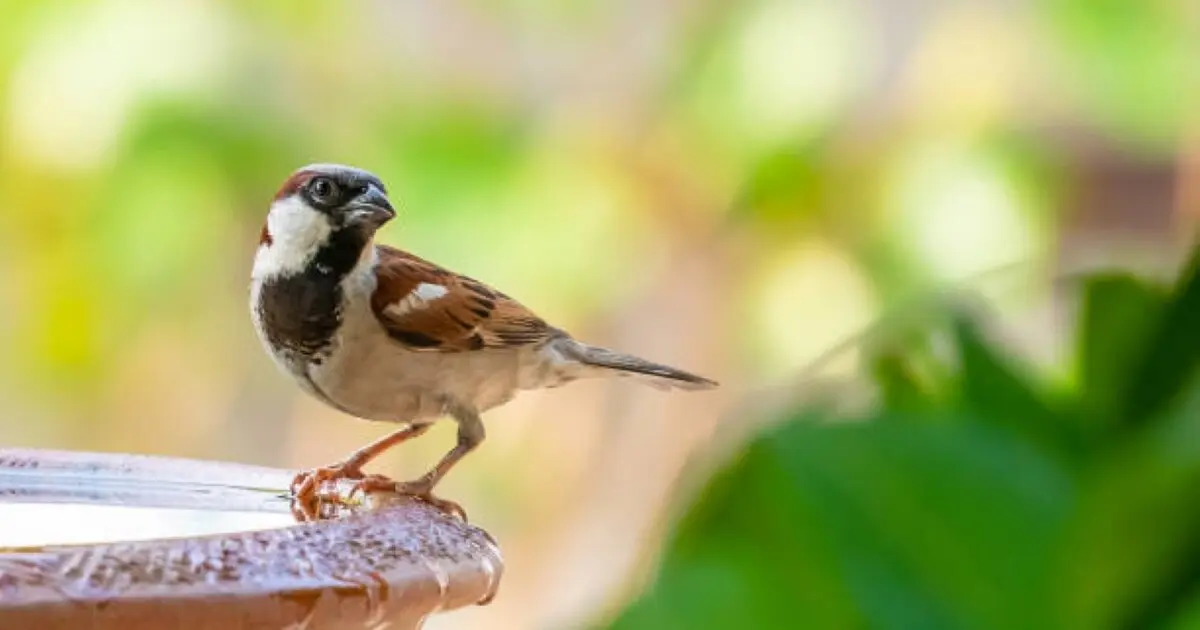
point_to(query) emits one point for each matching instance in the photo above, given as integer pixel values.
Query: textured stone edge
(391, 565)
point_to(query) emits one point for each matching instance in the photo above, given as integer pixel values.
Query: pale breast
(371, 376)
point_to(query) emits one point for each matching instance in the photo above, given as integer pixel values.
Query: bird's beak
(371, 208)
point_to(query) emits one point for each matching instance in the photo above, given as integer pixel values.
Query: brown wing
(425, 307)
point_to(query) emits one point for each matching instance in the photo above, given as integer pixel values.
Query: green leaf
(884, 524)
(1189, 617)
(744, 555)
(991, 387)
(900, 387)
(1118, 313)
(1172, 354)
(1133, 555)
(962, 511)
(909, 377)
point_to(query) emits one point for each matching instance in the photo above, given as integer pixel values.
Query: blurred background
(735, 188)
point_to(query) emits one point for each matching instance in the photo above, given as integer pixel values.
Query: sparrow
(384, 335)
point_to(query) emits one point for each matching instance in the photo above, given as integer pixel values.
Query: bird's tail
(653, 374)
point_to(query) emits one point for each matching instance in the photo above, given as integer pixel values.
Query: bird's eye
(323, 190)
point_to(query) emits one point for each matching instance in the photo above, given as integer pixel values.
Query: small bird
(383, 335)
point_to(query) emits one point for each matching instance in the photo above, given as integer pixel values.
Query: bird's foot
(306, 487)
(420, 489)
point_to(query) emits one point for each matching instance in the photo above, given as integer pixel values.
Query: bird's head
(320, 205)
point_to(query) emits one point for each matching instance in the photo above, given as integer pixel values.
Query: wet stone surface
(398, 561)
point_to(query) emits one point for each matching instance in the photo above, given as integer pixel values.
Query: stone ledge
(397, 561)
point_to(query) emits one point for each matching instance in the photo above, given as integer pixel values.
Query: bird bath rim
(393, 560)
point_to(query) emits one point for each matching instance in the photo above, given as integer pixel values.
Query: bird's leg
(470, 436)
(306, 484)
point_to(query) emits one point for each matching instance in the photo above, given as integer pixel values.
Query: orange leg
(470, 436)
(305, 485)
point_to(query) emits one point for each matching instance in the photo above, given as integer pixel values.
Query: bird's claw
(419, 490)
(306, 488)
(422, 490)
(307, 497)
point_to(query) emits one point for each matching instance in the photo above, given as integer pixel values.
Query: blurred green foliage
(731, 186)
(979, 494)
(1134, 61)
(769, 123)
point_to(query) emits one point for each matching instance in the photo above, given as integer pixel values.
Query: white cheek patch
(418, 298)
(297, 232)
